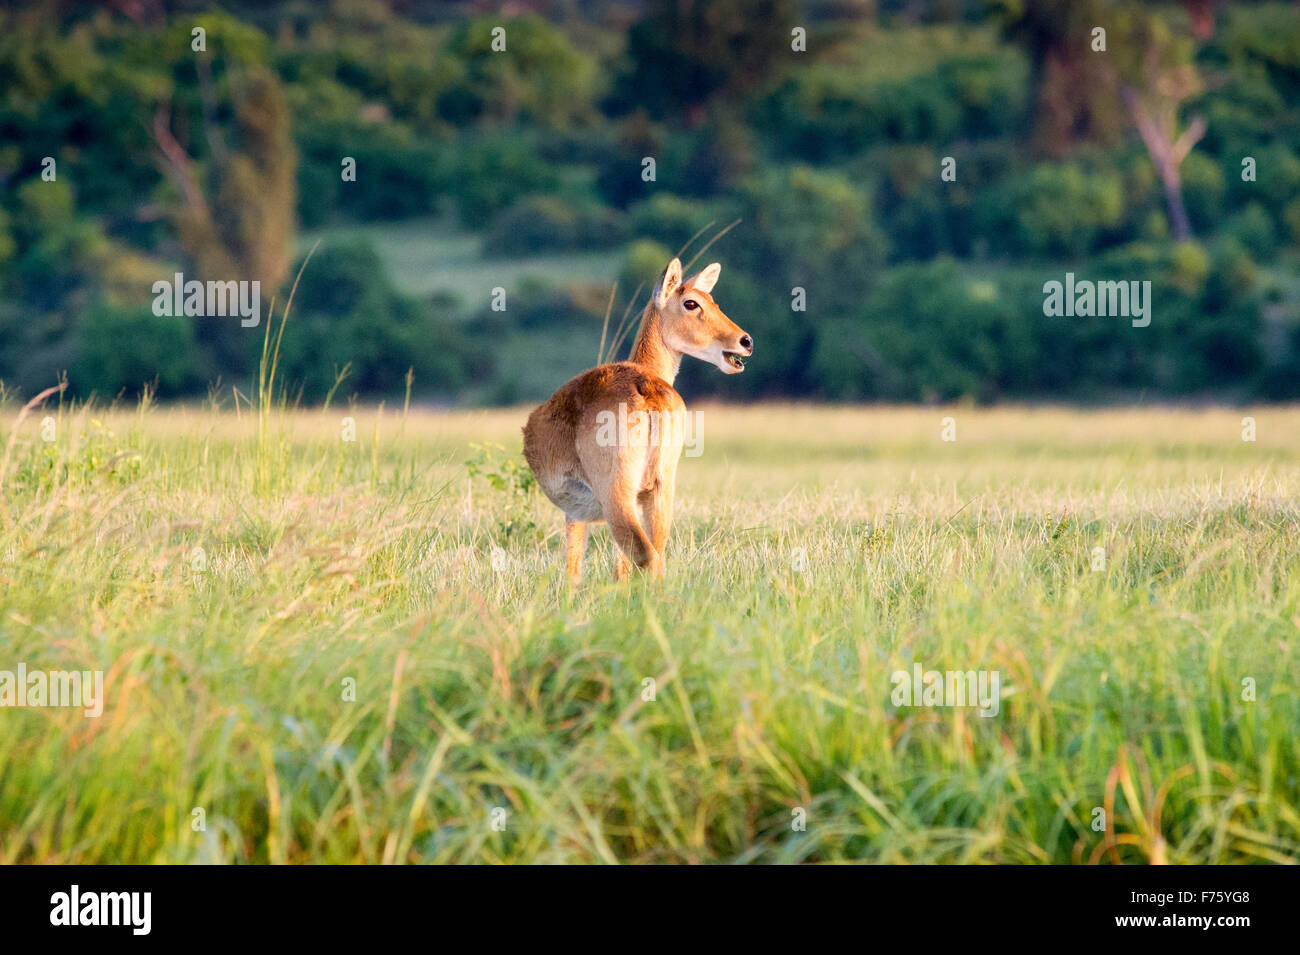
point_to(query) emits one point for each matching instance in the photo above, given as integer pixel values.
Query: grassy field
(319, 650)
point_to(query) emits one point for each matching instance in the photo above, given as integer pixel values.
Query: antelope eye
(690, 305)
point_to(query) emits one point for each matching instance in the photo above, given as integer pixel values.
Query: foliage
(929, 85)
(682, 55)
(333, 325)
(162, 356)
(552, 221)
(545, 81)
(533, 159)
(513, 479)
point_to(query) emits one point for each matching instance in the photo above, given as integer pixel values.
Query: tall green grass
(234, 573)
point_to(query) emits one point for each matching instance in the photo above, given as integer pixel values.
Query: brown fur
(629, 485)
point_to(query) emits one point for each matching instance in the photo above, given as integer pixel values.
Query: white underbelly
(575, 498)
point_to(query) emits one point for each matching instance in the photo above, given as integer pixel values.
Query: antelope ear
(669, 282)
(705, 279)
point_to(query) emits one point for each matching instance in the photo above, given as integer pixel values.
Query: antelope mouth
(735, 360)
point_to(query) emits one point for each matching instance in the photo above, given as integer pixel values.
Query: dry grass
(230, 581)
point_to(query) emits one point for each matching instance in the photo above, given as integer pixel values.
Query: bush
(548, 223)
(1203, 190)
(397, 175)
(347, 311)
(545, 81)
(1062, 209)
(801, 226)
(673, 220)
(493, 171)
(930, 84)
(930, 332)
(128, 348)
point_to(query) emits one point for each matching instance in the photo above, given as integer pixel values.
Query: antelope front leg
(575, 544)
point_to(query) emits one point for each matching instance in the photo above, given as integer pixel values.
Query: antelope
(629, 483)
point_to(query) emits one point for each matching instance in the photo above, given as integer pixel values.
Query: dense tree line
(907, 177)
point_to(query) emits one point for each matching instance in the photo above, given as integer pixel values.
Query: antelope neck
(650, 350)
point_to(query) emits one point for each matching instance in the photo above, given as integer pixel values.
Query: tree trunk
(1182, 229)
(1167, 149)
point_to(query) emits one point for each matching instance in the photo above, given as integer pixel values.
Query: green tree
(234, 200)
(540, 78)
(685, 53)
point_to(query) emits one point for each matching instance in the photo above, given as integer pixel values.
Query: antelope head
(692, 324)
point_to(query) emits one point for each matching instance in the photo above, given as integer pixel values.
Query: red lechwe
(605, 446)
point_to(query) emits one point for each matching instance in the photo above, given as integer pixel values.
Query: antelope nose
(746, 342)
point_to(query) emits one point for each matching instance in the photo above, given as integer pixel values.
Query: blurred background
(822, 125)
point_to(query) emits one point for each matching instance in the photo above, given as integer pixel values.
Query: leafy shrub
(1062, 209)
(1203, 190)
(129, 348)
(493, 171)
(347, 313)
(929, 84)
(398, 175)
(673, 220)
(549, 223)
(545, 81)
(930, 332)
(512, 479)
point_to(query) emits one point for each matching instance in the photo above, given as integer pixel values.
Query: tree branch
(176, 162)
